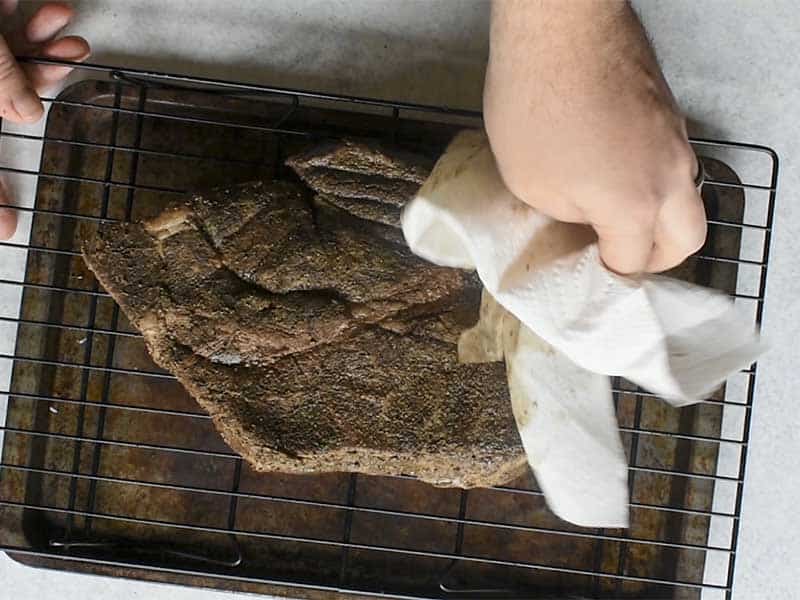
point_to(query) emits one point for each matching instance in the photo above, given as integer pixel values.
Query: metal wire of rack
(59, 483)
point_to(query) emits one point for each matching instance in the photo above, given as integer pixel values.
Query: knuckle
(684, 161)
(690, 238)
(698, 225)
(8, 67)
(642, 215)
(688, 164)
(6, 108)
(697, 239)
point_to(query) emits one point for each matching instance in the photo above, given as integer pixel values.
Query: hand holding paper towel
(576, 323)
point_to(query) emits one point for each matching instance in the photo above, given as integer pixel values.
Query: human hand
(21, 85)
(585, 129)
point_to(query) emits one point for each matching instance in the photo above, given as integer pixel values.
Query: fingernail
(28, 106)
(71, 48)
(80, 57)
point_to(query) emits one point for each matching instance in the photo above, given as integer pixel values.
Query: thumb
(18, 100)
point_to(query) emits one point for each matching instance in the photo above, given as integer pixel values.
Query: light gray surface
(731, 65)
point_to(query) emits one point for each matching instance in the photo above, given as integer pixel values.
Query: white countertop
(731, 65)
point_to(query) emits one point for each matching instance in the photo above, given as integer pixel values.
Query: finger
(8, 216)
(625, 238)
(680, 230)
(48, 21)
(547, 201)
(71, 48)
(626, 253)
(18, 100)
(7, 7)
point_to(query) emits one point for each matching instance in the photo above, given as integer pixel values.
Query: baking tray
(110, 467)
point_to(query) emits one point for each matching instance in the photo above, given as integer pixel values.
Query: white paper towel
(677, 340)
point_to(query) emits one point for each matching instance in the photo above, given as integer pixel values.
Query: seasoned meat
(393, 192)
(363, 218)
(365, 209)
(376, 403)
(365, 158)
(365, 179)
(315, 344)
(275, 240)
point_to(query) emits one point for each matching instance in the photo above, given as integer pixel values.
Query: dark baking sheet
(158, 495)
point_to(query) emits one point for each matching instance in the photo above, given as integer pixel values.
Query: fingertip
(71, 47)
(625, 266)
(43, 77)
(62, 11)
(666, 257)
(625, 254)
(681, 231)
(664, 261)
(47, 21)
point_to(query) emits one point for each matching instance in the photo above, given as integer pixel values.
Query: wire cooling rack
(109, 467)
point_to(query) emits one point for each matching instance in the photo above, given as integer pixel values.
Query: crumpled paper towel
(565, 418)
(563, 323)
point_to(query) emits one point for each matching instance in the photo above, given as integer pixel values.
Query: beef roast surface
(314, 342)
(365, 179)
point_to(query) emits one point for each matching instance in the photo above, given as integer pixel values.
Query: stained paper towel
(677, 340)
(565, 418)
